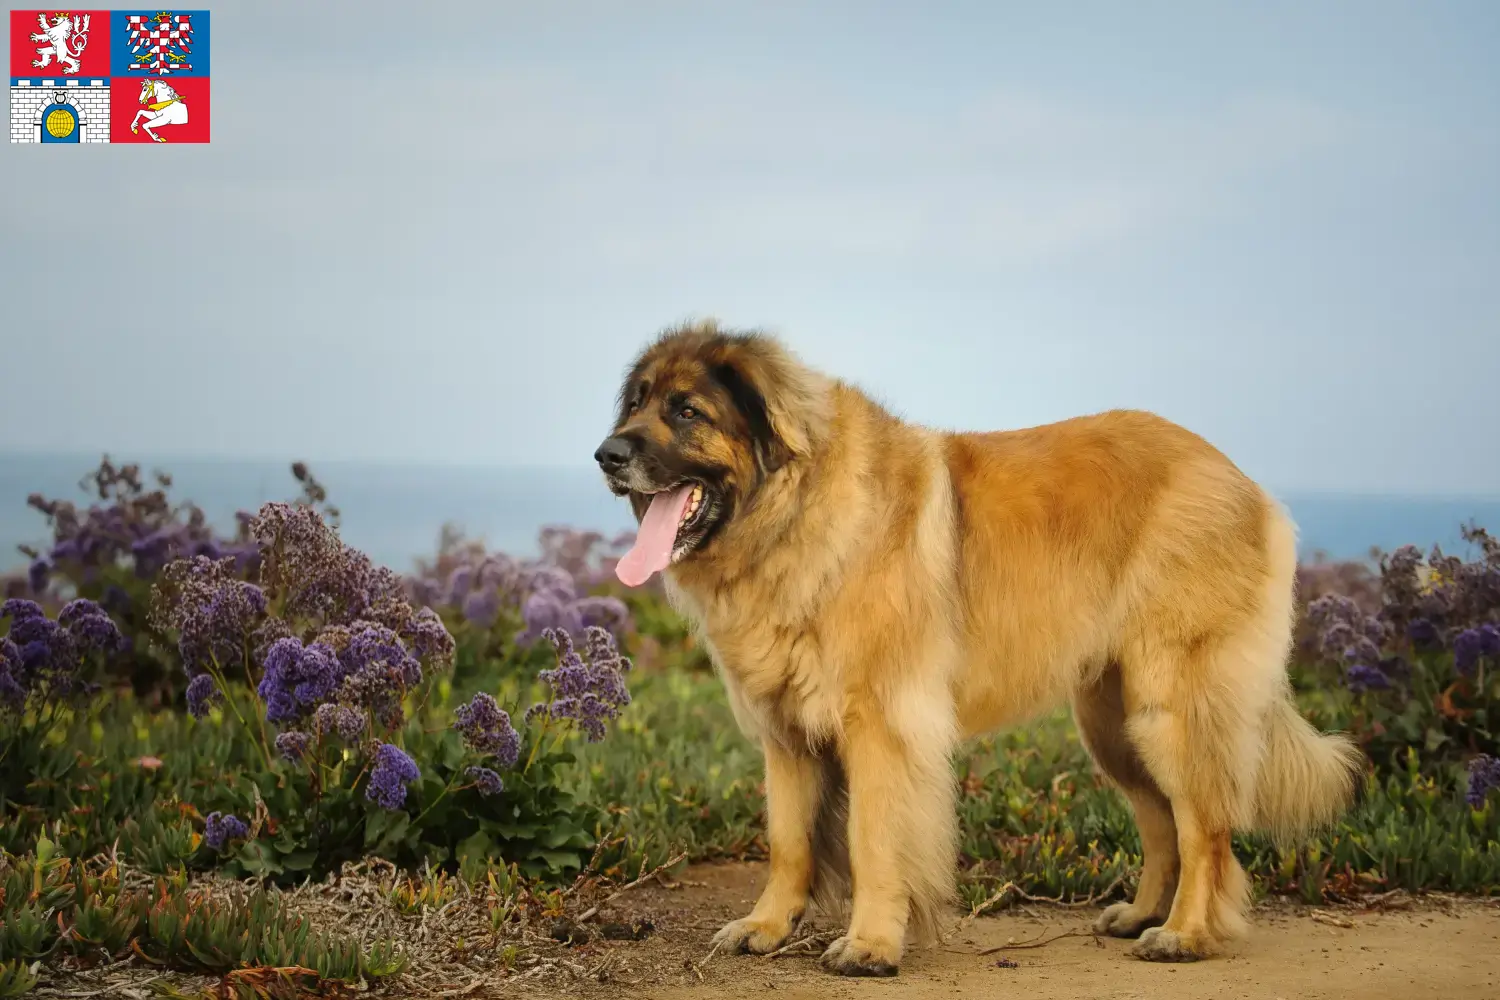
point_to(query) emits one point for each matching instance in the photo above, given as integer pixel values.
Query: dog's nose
(613, 454)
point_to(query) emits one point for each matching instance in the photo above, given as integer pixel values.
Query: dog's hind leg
(1195, 715)
(794, 794)
(1099, 711)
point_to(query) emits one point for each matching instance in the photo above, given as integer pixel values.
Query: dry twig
(656, 872)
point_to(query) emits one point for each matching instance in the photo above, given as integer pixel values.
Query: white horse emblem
(163, 107)
(67, 39)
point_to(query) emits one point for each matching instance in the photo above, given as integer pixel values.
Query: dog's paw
(755, 937)
(850, 956)
(1126, 920)
(1158, 944)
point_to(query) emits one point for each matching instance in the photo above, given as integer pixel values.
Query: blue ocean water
(395, 512)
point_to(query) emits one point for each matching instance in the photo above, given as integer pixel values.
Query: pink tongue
(652, 551)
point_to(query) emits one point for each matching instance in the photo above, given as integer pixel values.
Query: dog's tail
(1307, 778)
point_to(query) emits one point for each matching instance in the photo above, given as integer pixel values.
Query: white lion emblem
(68, 38)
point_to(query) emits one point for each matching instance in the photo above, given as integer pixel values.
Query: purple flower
(459, 582)
(292, 745)
(19, 609)
(549, 579)
(429, 637)
(29, 630)
(93, 629)
(482, 607)
(319, 577)
(43, 657)
(1362, 677)
(345, 722)
(609, 613)
(13, 690)
(376, 649)
(37, 574)
(1422, 632)
(297, 678)
(587, 693)
(393, 771)
(1473, 643)
(1484, 777)
(219, 829)
(486, 780)
(201, 692)
(487, 729)
(545, 611)
(213, 613)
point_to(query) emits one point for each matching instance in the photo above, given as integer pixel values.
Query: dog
(873, 593)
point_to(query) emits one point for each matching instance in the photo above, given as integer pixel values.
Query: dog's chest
(781, 674)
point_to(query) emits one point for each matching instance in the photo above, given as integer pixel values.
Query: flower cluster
(292, 745)
(548, 593)
(342, 721)
(130, 525)
(1473, 645)
(486, 780)
(1484, 777)
(318, 577)
(221, 828)
(214, 613)
(43, 659)
(1347, 636)
(586, 691)
(393, 771)
(202, 692)
(1433, 602)
(486, 729)
(578, 553)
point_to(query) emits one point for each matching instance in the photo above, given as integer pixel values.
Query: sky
(441, 236)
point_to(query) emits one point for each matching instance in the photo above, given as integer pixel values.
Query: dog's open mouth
(666, 532)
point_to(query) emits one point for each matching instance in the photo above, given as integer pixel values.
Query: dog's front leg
(901, 832)
(793, 789)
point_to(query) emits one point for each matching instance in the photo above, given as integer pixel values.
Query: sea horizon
(395, 510)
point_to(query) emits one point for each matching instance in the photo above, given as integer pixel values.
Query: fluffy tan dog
(874, 593)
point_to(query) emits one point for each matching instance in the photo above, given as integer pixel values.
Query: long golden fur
(873, 593)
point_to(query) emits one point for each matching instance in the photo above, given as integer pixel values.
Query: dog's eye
(687, 413)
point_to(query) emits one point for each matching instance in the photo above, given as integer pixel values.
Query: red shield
(126, 108)
(84, 53)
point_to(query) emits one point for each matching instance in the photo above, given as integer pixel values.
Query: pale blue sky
(441, 236)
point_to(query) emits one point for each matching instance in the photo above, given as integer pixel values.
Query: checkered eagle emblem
(160, 44)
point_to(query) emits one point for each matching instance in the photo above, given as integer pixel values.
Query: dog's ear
(786, 405)
(770, 450)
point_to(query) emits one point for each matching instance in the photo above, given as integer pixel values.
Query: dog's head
(706, 419)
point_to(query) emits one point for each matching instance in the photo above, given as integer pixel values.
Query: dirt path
(1449, 951)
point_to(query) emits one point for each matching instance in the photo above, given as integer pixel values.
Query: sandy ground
(1428, 948)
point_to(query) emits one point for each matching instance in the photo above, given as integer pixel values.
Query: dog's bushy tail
(1307, 778)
